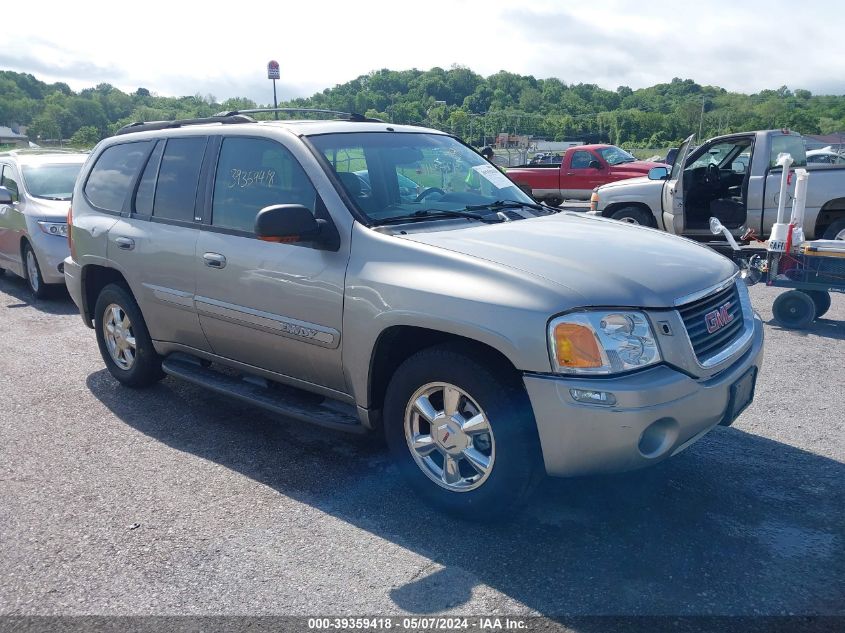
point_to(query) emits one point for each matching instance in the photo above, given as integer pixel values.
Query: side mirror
(594, 164)
(288, 223)
(658, 173)
(5, 196)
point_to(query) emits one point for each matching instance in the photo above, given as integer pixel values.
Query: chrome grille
(705, 343)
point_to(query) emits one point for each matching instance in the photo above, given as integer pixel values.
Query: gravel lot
(176, 501)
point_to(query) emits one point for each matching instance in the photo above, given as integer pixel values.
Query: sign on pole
(272, 69)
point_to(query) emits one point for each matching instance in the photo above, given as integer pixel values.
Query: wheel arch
(831, 211)
(397, 343)
(94, 278)
(616, 206)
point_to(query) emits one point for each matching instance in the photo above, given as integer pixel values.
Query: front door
(673, 191)
(275, 306)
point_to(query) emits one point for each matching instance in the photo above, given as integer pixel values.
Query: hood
(637, 167)
(47, 209)
(628, 182)
(604, 262)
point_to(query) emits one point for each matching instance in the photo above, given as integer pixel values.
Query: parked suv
(35, 187)
(489, 338)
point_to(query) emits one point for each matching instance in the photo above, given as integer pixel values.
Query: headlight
(54, 228)
(601, 342)
(594, 201)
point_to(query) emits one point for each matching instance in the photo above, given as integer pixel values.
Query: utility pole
(701, 118)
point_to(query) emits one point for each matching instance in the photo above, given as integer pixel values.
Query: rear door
(271, 305)
(673, 191)
(154, 241)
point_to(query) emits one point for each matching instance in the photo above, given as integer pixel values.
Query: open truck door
(673, 191)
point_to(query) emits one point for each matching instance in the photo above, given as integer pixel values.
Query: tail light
(70, 232)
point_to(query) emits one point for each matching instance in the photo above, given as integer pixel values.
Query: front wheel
(633, 215)
(123, 338)
(553, 201)
(462, 432)
(33, 272)
(794, 309)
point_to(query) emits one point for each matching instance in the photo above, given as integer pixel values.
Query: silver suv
(35, 189)
(489, 338)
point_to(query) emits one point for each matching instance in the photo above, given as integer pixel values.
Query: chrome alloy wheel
(120, 339)
(449, 437)
(32, 270)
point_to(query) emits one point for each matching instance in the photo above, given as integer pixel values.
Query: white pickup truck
(734, 178)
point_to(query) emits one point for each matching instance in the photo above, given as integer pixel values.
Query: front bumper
(658, 413)
(50, 250)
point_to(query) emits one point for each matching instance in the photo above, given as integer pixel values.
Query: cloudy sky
(174, 49)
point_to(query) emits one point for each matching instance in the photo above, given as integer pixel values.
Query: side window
(252, 174)
(10, 181)
(147, 186)
(581, 160)
(110, 181)
(178, 179)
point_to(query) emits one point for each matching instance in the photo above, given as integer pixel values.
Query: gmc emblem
(718, 319)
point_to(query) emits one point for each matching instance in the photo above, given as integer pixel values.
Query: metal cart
(812, 274)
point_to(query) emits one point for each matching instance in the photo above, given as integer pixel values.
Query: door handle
(214, 260)
(570, 173)
(125, 243)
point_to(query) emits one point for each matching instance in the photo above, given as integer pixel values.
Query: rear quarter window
(110, 181)
(786, 143)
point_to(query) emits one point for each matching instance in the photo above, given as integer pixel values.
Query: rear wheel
(123, 338)
(835, 231)
(633, 215)
(33, 272)
(462, 432)
(794, 309)
(821, 299)
(554, 201)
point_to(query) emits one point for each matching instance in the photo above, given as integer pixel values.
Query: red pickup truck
(583, 168)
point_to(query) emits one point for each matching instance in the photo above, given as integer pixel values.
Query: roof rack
(224, 118)
(35, 151)
(348, 116)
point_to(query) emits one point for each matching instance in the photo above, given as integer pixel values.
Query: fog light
(593, 397)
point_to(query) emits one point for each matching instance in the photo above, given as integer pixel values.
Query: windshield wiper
(512, 204)
(439, 214)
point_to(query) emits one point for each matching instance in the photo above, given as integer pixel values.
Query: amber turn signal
(576, 346)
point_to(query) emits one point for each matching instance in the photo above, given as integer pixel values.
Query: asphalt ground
(174, 500)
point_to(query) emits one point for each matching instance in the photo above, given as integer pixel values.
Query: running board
(281, 399)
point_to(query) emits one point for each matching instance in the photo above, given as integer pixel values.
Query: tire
(794, 309)
(553, 201)
(127, 349)
(821, 299)
(634, 215)
(836, 231)
(32, 272)
(502, 441)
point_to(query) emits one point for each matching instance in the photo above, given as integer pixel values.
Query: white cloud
(178, 49)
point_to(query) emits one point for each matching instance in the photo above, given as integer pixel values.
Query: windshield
(614, 156)
(390, 176)
(52, 181)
